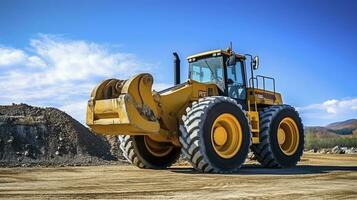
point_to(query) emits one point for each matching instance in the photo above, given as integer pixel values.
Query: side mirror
(232, 60)
(255, 62)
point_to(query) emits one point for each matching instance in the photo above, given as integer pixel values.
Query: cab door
(236, 87)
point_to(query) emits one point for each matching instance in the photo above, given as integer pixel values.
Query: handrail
(263, 78)
(266, 77)
(251, 82)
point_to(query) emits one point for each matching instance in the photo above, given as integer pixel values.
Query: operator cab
(223, 68)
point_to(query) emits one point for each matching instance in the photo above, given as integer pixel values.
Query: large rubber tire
(137, 153)
(268, 151)
(195, 135)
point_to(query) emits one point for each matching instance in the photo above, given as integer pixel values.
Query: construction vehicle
(213, 118)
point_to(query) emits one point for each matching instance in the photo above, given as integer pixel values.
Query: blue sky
(53, 52)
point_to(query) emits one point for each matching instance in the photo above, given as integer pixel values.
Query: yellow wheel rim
(226, 135)
(155, 148)
(288, 136)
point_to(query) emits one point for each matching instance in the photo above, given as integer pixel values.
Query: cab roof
(212, 52)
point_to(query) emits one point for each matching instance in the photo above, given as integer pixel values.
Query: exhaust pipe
(176, 69)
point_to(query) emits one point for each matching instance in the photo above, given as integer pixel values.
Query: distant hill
(350, 124)
(343, 128)
(336, 134)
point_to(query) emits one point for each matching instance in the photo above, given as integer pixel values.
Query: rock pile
(335, 150)
(47, 136)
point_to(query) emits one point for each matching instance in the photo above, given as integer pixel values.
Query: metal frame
(256, 78)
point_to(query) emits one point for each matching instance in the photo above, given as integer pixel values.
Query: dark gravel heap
(47, 136)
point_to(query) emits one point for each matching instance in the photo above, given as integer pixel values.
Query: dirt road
(318, 176)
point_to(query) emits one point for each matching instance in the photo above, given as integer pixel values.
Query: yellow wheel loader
(212, 119)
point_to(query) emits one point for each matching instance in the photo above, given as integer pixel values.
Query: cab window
(208, 70)
(235, 81)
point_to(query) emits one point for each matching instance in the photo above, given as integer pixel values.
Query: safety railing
(263, 79)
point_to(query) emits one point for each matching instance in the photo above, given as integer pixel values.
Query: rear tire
(136, 150)
(215, 146)
(275, 150)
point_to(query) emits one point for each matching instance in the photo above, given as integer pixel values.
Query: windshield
(208, 70)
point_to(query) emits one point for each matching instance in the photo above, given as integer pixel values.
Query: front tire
(143, 152)
(281, 137)
(215, 135)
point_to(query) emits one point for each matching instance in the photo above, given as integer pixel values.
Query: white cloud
(329, 111)
(15, 57)
(53, 71)
(80, 60)
(35, 61)
(10, 56)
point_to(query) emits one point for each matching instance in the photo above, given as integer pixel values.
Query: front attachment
(123, 107)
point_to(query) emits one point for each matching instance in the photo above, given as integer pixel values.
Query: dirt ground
(318, 176)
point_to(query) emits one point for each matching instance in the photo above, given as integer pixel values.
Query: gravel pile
(47, 136)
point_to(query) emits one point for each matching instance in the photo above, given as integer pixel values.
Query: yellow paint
(210, 53)
(124, 115)
(226, 135)
(288, 136)
(253, 118)
(155, 148)
(220, 136)
(281, 136)
(174, 102)
(134, 109)
(263, 97)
